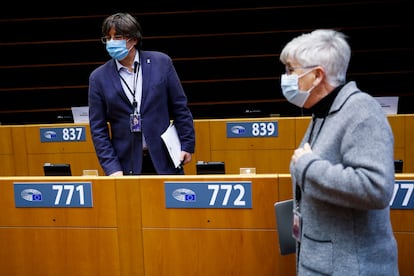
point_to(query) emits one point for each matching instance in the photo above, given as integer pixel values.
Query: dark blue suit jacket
(163, 99)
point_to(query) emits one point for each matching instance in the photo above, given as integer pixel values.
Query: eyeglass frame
(104, 39)
(289, 69)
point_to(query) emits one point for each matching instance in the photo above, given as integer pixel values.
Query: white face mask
(291, 91)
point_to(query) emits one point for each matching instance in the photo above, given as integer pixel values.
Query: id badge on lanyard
(297, 217)
(135, 122)
(297, 225)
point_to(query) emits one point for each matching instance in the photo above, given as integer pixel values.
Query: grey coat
(346, 185)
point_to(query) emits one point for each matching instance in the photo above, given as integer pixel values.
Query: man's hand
(118, 173)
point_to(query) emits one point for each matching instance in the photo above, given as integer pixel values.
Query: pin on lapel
(148, 60)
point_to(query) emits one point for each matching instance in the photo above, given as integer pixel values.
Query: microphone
(136, 66)
(136, 63)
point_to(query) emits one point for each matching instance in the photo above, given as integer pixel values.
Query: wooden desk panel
(284, 140)
(212, 241)
(78, 162)
(203, 146)
(397, 123)
(261, 216)
(6, 141)
(22, 153)
(80, 155)
(7, 165)
(39, 251)
(130, 232)
(103, 213)
(265, 161)
(128, 205)
(285, 187)
(6, 151)
(405, 241)
(203, 252)
(34, 145)
(409, 146)
(19, 151)
(301, 124)
(59, 241)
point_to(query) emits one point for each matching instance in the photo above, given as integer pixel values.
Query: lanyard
(133, 91)
(312, 140)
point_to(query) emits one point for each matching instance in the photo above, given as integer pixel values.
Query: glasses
(290, 69)
(104, 39)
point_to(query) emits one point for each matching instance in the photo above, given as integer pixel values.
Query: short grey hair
(323, 47)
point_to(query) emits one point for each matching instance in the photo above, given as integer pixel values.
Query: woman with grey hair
(343, 170)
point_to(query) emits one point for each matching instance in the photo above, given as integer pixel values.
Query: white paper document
(388, 104)
(80, 114)
(172, 142)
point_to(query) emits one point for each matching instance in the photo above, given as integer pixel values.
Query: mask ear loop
(313, 85)
(131, 46)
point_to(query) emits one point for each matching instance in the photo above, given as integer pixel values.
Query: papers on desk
(388, 104)
(172, 142)
(80, 114)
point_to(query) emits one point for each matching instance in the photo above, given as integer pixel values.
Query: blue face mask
(291, 91)
(117, 49)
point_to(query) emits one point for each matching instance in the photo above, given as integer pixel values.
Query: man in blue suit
(133, 98)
